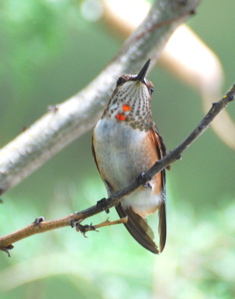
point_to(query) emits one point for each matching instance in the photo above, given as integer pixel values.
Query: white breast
(117, 147)
(120, 156)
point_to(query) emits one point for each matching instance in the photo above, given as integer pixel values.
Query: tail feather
(138, 228)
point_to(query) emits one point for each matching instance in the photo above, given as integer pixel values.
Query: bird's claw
(103, 204)
(83, 228)
(38, 220)
(142, 177)
(6, 249)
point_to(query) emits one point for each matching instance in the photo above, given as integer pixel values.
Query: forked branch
(40, 226)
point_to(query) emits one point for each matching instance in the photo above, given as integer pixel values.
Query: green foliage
(32, 34)
(198, 261)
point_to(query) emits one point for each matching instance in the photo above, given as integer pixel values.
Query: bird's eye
(120, 81)
(151, 90)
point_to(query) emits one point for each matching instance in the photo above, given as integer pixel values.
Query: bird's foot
(142, 179)
(103, 204)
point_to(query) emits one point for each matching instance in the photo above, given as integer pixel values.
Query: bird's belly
(121, 157)
(119, 153)
(143, 201)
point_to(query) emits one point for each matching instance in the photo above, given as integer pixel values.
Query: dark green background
(48, 53)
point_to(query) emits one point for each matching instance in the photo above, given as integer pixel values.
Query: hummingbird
(125, 144)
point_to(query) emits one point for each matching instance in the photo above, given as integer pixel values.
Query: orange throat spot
(120, 117)
(126, 108)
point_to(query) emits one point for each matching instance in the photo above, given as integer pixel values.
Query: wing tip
(162, 226)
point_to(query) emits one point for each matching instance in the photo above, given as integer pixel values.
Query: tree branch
(69, 120)
(86, 228)
(40, 226)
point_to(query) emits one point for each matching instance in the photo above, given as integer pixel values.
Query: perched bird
(126, 143)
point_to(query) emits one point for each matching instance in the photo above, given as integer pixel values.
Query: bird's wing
(161, 151)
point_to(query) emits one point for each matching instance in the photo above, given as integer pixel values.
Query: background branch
(69, 120)
(172, 156)
(192, 62)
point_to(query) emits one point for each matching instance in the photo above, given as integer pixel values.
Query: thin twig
(40, 226)
(86, 228)
(109, 223)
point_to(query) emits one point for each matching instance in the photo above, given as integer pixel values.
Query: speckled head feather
(131, 101)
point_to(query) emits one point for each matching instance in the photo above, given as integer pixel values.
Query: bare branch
(40, 226)
(78, 114)
(86, 228)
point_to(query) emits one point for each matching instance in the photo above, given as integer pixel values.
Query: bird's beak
(142, 73)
